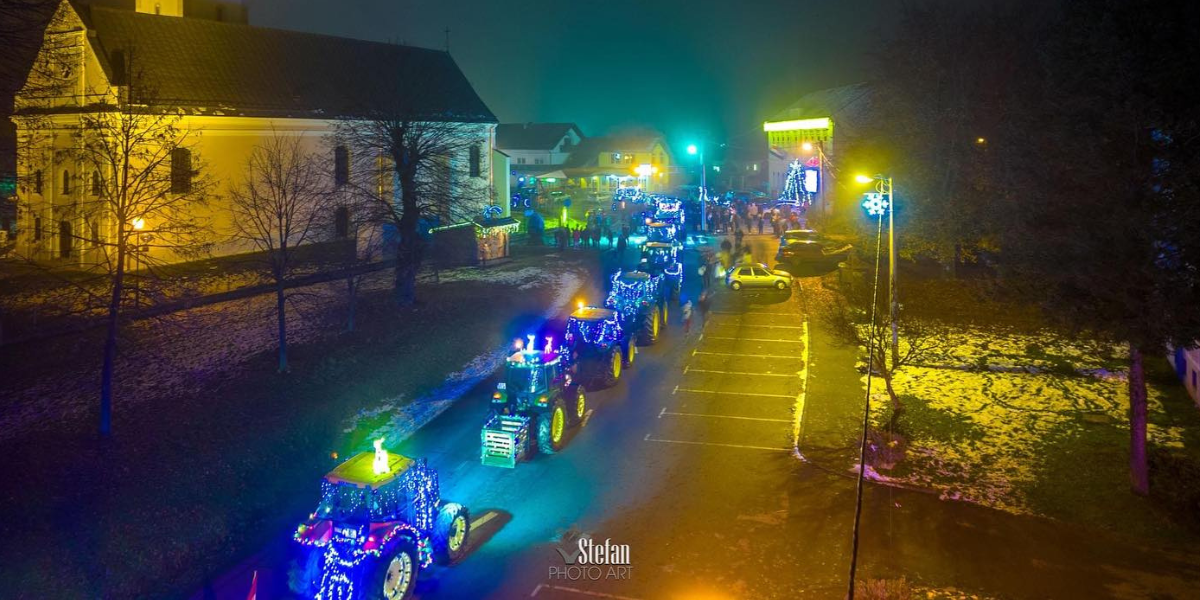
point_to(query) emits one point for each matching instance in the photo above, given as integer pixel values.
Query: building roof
(533, 136)
(832, 102)
(239, 69)
(587, 154)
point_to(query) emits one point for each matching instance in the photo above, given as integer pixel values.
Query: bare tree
(277, 208)
(406, 170)
(133, 211)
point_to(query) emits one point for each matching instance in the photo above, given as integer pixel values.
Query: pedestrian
(575, 238)
(610, 236)
(596, 234)
(621, 244)
(703, 273)
(704, 304)
(760, 224)
(687, 317)
(737, 237)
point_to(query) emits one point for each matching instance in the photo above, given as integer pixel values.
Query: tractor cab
(591, 327)
(660, 231)
(529, 378)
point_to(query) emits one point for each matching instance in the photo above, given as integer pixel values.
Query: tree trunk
(1139, 471)
(351, 302)
(110, 347)
(897, 406)
(281, 315)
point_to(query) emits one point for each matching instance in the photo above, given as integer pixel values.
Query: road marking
(743, 314)
(755, 339)
(675, 391)
(802, 397)
(695, 352)
(488, 516)
(560, 588)
(587, 416)
(663, 441)
(679, 389)
(769, 326)
(741, 373)
(684, 414)
(685, 368)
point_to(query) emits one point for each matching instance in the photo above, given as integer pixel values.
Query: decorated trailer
(532, 408)
(380, 520)
(641, 302)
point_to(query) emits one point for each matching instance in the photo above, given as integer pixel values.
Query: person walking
(687, 317)
(704, 303)
(703, 273)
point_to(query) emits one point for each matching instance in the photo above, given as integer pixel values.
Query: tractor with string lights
(532, 408)
(640, 301)
(662, 258)
(380, 521)
(600, 345)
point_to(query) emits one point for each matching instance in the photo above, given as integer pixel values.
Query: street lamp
(877, 204)
(693, 150)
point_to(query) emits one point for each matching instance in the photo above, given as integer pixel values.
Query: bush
(1175, 482)
(885, 589)
(884, 449)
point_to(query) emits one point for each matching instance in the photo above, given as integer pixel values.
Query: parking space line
(770, 326)
(717, 337)
(690, 370)
(684, 414)
(488, 516)
(691, 443)
(695, 391)
(695, 352)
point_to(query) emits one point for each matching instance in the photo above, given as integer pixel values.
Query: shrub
(885, 589)
(884, 449)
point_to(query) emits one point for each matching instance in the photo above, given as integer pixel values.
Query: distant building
(602, 164)
(536, 148)
(235, 85)
(805, 131)
(1187, 368)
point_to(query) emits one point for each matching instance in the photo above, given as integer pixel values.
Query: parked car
(798, 235)
(811, 251)
(757, 275)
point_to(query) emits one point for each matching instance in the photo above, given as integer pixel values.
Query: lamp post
(883, 185)
(693, 150)
(138, 225)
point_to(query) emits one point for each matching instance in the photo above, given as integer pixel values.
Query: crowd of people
(752, 217)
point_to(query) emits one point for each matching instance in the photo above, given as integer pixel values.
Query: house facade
(603, 164)
(229, 87)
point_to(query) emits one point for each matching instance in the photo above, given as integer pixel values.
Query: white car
(757, 275)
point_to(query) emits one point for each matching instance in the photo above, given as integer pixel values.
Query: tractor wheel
(451, 532)
(551, 427)
(578, 408)
(651, 321)
(630, 352)
(610, 367)
(304, 573)
(396, 574)
(666, 313)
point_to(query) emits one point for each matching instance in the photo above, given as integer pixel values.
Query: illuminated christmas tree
(793, 185)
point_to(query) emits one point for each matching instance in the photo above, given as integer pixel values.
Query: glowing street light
(807, 146)
(878, 203)
(694, 150)
(139, 223)
(691, 149)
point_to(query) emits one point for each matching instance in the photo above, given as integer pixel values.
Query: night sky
(721, 66)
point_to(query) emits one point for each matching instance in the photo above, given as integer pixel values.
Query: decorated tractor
(659, 231)
(379, 522)
(659, 258)
(599, 344)
(670, 211)
(533, 406)
(640, 302)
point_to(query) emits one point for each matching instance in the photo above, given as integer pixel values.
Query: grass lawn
(213, 453)
(1036, 423)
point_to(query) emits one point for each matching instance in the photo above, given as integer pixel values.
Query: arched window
(66, 184)
(341, 165)
(97, 183)
(37, 181)
(66, 240)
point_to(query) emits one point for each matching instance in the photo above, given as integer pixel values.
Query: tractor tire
(610, 367)
(304, 573)
(665, 309)
(551, 427)
(630, 351)
(395, 575)
(651, 321)
(451, 533)
(578, 404)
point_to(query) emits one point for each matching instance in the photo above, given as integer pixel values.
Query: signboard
(811, 180)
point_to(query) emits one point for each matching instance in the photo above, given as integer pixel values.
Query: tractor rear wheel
(610, 367)
(395, 575)
(551, 426)
(651, 321)
(630, 351)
